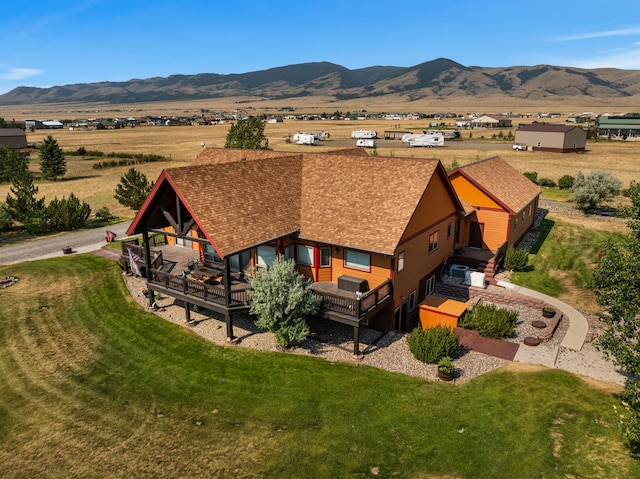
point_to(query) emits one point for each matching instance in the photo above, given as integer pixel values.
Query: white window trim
(357, 266)
(309, 252)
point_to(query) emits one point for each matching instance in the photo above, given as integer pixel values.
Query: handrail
(355, 307)
(206, 292)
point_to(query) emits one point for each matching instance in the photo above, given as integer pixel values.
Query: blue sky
(47, 43)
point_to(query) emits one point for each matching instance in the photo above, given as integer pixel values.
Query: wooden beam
(170, 218)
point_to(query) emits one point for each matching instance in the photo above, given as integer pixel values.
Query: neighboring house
(372, 233)
(491, 121)
(618, 126)
(500, 204)
(13, 137)
(554, 138)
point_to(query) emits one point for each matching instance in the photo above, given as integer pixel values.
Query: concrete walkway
(578, 326)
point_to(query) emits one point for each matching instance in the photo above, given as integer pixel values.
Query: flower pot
(67, 250)
(548, 312)
(445, 375)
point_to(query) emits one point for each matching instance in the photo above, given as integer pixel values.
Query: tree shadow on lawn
(545, 227)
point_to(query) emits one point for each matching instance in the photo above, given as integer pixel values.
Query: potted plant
(548, 312)
(445, 368)
(67, 249)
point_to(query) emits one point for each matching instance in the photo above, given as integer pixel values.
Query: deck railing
(206, 292)
(138, 250)
(357, 308)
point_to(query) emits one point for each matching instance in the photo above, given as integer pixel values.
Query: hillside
(435, 80)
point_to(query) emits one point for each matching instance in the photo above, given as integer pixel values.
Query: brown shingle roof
(362, 202)
(501, 181)
(244, 203)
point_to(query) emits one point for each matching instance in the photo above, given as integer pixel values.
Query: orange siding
(471, 193)
(324, 274)
(433, 206)
(380, 269)
(496, 228)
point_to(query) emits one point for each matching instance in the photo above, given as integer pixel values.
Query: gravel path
(334, 342)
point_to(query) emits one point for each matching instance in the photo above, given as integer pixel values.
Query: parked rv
(364, 134)
(366, 143)
(428, 140)
(306, 139)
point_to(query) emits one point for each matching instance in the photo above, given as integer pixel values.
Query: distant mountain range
(437, 80)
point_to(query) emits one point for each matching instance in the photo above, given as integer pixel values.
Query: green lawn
(561, 261)
(93, 386)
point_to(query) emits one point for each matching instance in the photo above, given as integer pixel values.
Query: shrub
(516, 259)
(590, 191)
(6, 221)
(531, 175)
(281, 301)
(430, 345)
(565, 182)
(68, 214)
(36, 222)
(104, 214)
(490, 321)
(548, 182)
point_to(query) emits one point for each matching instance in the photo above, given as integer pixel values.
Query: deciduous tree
(247, 134)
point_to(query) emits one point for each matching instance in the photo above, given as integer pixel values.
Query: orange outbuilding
(435, 310)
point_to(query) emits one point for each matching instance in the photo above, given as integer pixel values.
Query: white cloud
(20, 73)
(607, 33)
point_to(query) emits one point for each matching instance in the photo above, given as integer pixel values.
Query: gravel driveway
(82, 241)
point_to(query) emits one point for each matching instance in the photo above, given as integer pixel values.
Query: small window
(412, 300)
(515, 224)
(433, 242)
(305, 255)
(524, 215)
(530, 209)
(357, 260)
(449, 230)
(288, 252)
(325, 256)
(430, 287)
(400, 261)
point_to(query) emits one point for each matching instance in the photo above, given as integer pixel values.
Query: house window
(524, 215)
(530, 209)
(430, 287)
(515, 224)
(305, 255)
(412, 300)
(240, 261)
(449, 230)
(400, 261)
(210, 254)
(325, 256)
(433, 242)
(357, 260)
(288, 252)
(266, 256)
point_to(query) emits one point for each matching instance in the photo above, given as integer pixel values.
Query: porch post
(356, 343)
(147, 256)
(227, 299)
(187, 312)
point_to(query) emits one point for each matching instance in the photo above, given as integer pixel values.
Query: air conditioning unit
(458, 270)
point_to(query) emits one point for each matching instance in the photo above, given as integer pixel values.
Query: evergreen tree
(247, 134)
(12, 163)
(133, 189)
(52, 161)
(24, 203)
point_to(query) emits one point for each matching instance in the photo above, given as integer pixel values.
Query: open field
(182, 145)
(94, 386)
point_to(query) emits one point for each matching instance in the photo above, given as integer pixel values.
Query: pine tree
(24, 203)
(52, 161)
(133, 189)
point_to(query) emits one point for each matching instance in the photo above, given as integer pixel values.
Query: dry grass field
(182, 144)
